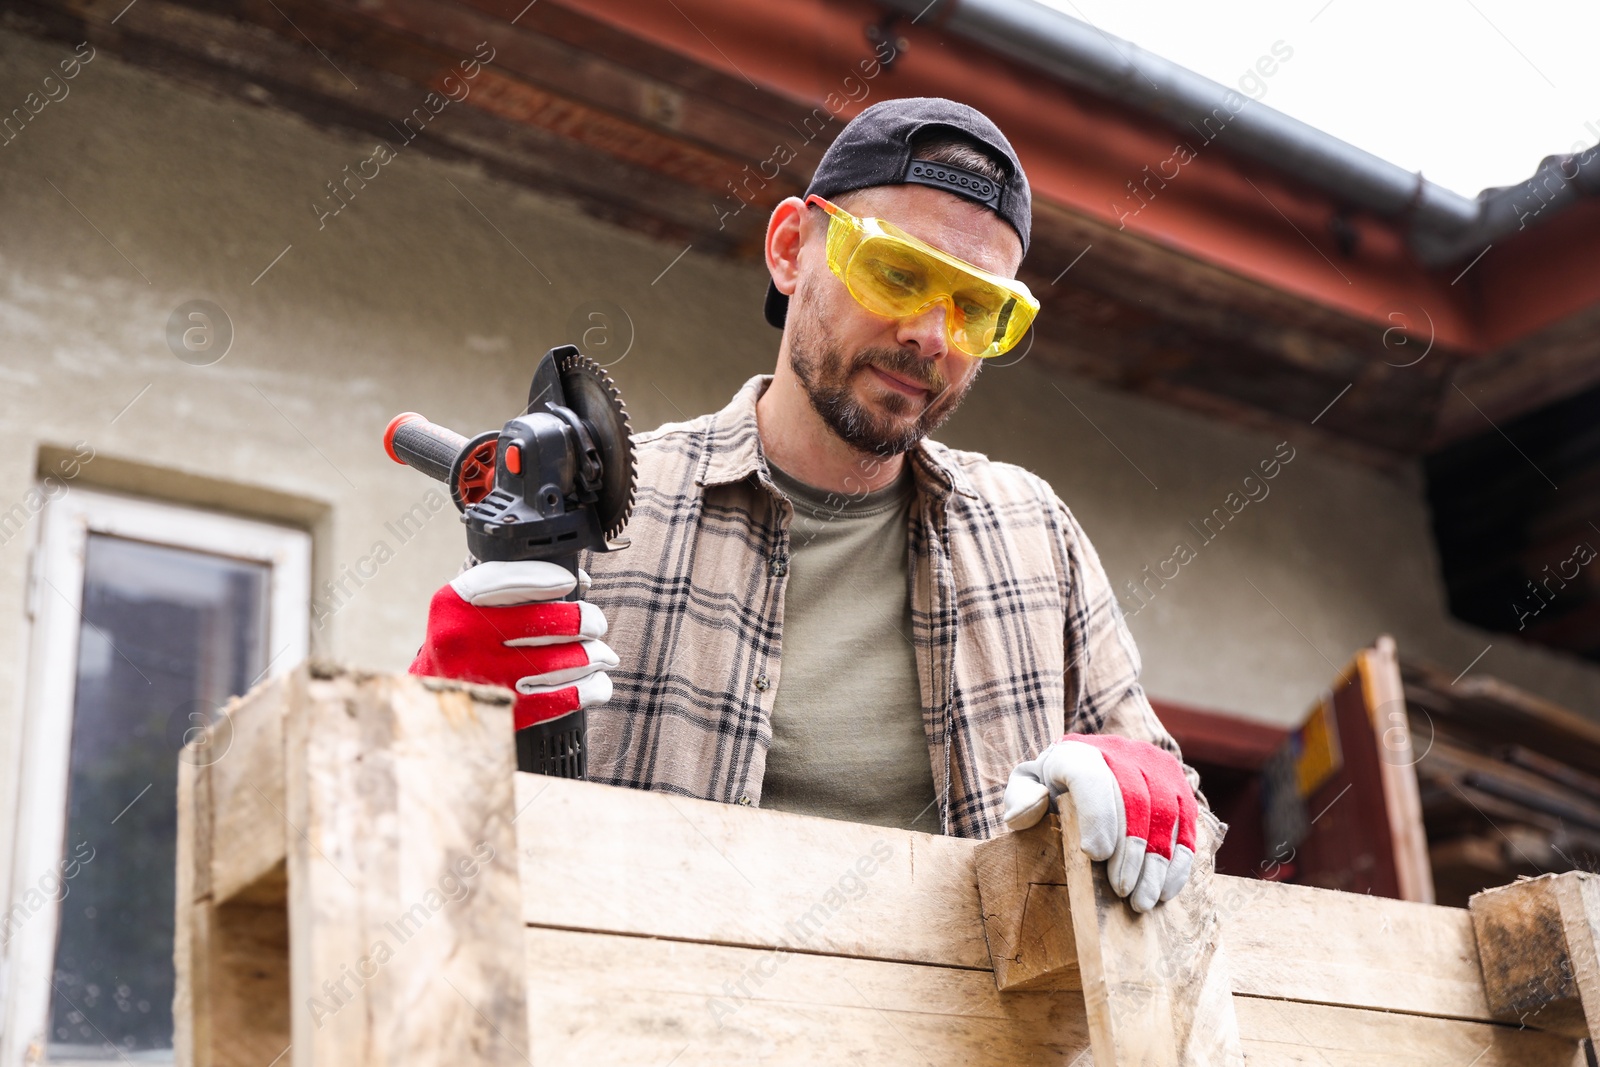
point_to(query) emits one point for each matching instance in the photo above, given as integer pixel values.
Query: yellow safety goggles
(891, 273)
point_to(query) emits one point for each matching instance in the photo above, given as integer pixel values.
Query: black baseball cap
(875, 148)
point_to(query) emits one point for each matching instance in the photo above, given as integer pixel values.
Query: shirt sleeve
(1103, 690)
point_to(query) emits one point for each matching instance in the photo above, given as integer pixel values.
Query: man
(824, 611)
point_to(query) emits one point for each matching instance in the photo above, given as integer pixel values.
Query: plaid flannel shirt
(1014, 622)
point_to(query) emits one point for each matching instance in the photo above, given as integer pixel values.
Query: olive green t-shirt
(847, 734)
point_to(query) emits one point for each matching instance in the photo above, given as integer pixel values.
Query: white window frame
(55, 605)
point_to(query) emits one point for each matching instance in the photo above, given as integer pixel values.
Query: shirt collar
(733, 450)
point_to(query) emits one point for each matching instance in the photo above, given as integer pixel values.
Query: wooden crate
(363, 878)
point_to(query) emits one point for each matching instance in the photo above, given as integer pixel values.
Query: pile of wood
(364, 879)
(1504, 779)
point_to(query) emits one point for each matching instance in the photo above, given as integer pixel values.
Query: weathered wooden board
(231, 998)
(1302, 943)
(1027, 916)
(1537, 940)
(240, 963)
(624, 1001)
(245, 764)
(190, 1018)
(599, 858)
(1280, 1033)
(403, 897)
(1155, 986)
(616, 861)
(646, 1002)
(1384, 696)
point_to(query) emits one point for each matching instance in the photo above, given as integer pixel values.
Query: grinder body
(554, 481)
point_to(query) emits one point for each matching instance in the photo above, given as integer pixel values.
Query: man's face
(883, 384)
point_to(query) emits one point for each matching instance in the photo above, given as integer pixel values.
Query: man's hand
(1135, 809)
(506, 624)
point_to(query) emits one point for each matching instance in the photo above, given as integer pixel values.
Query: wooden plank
(617, 87)
(1027, 915)
(244, 951)
(1458, 764)
(1579, 894)
(1280, 1033)
(195, 837)
(1351, 949)
(402, 876)
(340, 778)
(1537, 942)
(1555, 770)
(596, 857)
(247, 790)
(1156, 987)
(1528, 973)
(645, 1002)
(1384, 694)
(574, 25)
(648, 851)
(599, 998)
(1483, 707)
(192, 1009)
(1454, 806)
(231, 997)
(1535, 370)
(331, 876)
(190, 1012)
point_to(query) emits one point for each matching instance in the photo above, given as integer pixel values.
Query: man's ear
(783, 244)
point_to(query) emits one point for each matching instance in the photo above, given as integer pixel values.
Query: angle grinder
(554, 481)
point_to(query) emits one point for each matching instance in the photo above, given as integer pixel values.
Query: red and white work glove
(1135, 809)
(506, 624)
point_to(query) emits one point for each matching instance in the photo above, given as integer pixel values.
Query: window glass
(167, 635)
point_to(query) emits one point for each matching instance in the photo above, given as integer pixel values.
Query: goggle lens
(892, 274)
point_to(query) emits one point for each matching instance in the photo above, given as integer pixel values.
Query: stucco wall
(436, 289)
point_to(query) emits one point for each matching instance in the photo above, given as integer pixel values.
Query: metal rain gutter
(1444, 225)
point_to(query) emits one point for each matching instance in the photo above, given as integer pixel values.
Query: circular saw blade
(592, 394)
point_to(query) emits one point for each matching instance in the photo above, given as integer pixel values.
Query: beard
(828, 375)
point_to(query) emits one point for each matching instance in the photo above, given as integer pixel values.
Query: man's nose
(925, 331)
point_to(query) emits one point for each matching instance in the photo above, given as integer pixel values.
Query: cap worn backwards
(875, 148)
